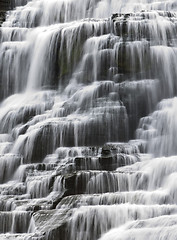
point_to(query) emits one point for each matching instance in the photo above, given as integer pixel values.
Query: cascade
(87, 120)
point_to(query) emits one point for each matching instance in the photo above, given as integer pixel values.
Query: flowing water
(88, 124)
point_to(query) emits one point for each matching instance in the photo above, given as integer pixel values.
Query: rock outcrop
(5, 5)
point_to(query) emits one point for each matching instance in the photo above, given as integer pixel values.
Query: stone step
(15, 222)
(132, 197)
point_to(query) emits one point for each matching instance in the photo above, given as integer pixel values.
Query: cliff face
(75, 86)
(5, 5)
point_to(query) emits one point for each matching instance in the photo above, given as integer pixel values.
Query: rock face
(5, 5)
(56, 189)
(76, 85)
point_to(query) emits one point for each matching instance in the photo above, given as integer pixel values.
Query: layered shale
(87, 120)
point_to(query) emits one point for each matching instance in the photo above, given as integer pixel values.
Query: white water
(73, 79)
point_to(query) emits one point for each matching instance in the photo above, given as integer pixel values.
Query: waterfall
(88, 120)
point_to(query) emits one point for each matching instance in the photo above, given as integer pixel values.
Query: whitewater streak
(74, 76)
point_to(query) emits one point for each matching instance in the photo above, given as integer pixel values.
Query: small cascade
(15, 222)
(156, 132)
(91, 224)
(87, 120)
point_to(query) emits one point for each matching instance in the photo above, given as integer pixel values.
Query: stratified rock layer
(76, 84)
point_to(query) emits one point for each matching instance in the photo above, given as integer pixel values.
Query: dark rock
(52, 223)
(37, 208)
(5, 5)
(114, 15)
(107, 159)
(83, 163)
(40, 167)
(106, 150)
(70, 181)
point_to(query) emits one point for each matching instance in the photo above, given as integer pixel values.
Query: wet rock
(86, 163)
(13, 188)
(37, 208)
(76, 183)
(52, 223)
(106, 151)
(112, 158)
(5, 5)
(130, 63)
(2, 17)
(107, 163)
(70, 181)
(107, 159)
(40, 167)
(8, 164)
(126, 148)
(15, 222)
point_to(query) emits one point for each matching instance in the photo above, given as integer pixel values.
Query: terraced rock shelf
(88, 127)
